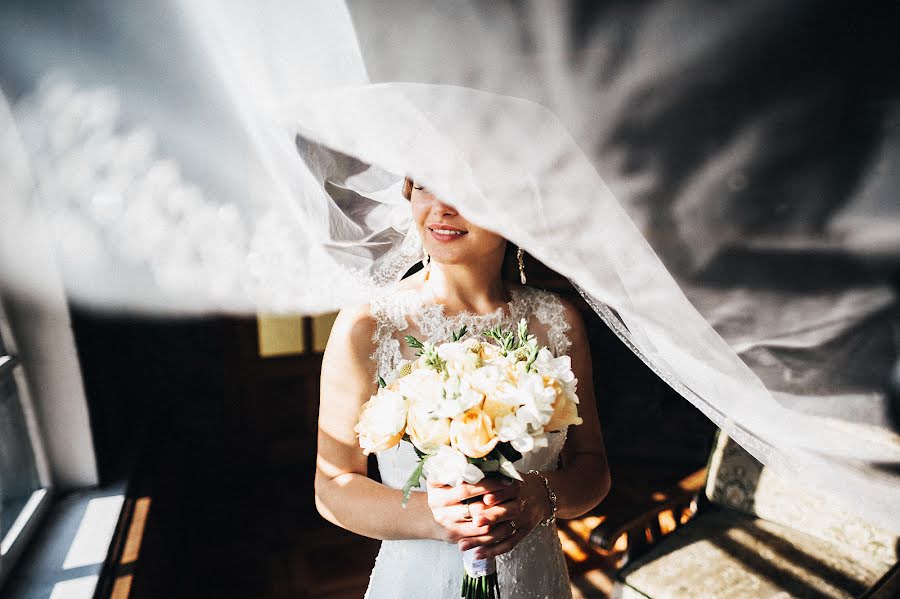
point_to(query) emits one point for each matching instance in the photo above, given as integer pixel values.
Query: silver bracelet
(550, 495)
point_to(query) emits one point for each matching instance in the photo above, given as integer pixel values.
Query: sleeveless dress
(431, 569)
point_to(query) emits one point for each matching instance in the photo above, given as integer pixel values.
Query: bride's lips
(443, 232)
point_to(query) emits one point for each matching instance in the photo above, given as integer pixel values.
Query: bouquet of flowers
(471, 408)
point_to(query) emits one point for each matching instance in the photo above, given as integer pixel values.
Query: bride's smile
(444, 233)
(448, 237)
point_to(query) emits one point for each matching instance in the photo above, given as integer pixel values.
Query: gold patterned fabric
(729, 555)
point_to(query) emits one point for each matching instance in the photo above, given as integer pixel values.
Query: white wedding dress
(428, 569)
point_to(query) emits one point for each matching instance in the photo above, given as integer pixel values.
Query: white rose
(387, 414)
(450, 467)
(486, 379)
(421, 386)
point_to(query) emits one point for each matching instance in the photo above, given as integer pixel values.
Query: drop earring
(520, 256)
(426, 264)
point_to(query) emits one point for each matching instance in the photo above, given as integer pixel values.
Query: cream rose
(565, 413)
(473, 433)
(382, 421)
(427, 430)
(496, 408)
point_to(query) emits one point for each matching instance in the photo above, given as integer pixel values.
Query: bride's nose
(443, 209)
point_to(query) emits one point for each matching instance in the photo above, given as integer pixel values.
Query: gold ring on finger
(515, 527)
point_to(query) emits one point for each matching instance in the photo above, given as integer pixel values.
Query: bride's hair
(407, 188)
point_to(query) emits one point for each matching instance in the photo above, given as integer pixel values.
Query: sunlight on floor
(91, 542)
(75, 588)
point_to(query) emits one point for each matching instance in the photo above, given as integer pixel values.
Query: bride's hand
(450, 512)
(524, 503)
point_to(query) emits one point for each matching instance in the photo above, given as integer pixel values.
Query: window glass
(18, 469)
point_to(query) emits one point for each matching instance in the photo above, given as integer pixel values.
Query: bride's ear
(407, 188)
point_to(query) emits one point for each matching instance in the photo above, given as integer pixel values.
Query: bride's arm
(344, 494)
(583, 480)
(580, 484)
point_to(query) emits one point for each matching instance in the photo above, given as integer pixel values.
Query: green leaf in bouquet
(533, 350)
(508, 451)
(413, 481)
(507, 468)
(490, 466)
(433, 360)
(522, 333)
(458, 335)
(414, 343)
(381, 382)
(506, 340)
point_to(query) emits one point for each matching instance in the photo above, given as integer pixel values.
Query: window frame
(13, 543)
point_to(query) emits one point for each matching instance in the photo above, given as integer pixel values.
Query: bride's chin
(454, 259)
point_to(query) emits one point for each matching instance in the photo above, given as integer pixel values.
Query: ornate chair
(755, 535)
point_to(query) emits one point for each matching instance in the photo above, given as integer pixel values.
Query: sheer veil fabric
(206, 156)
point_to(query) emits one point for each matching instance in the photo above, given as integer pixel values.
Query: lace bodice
(414, 569)
(403, 313)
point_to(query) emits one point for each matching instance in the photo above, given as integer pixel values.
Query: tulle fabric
(207, 156)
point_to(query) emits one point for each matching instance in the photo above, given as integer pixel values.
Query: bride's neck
(466, 288)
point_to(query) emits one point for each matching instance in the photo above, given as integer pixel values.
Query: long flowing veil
(225, 156)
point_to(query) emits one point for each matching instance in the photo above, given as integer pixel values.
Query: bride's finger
(467, 491)
(507, 510)
(502, 494)
(497, 534)
(471, 511)
(470, 530)
(465, 512)
(457, 531)
(500, 547)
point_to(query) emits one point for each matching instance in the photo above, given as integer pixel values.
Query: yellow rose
(427, 431)
(496, 408)
(472, 433)
(565, 412)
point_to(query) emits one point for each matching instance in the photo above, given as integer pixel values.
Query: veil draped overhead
(224, 156)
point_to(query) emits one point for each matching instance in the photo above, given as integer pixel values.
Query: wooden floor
(232, 537)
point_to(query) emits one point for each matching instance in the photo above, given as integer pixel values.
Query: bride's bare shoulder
(354, 325)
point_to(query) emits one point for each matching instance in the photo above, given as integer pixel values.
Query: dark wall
(154, 382)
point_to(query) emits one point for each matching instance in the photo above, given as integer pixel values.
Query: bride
(422, 544)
